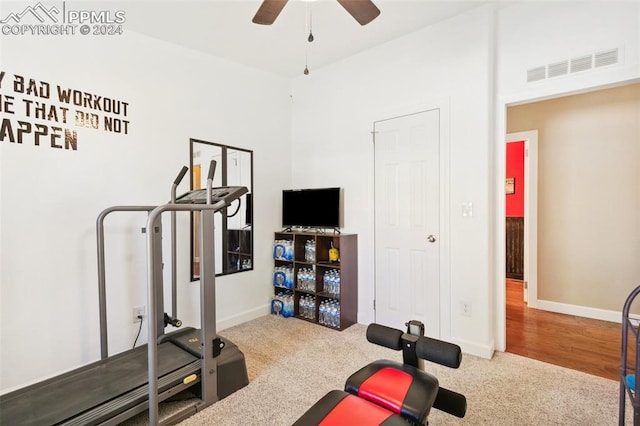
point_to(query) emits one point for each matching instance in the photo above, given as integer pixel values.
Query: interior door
(407, 220)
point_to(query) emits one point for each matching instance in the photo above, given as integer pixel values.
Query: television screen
(317, 208)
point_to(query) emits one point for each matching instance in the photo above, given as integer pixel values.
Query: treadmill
(115, 388)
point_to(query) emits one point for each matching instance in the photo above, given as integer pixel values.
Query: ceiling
(223, 28)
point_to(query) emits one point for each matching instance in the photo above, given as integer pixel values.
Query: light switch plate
(467, 209)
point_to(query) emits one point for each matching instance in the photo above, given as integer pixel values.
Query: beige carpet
(292, 363)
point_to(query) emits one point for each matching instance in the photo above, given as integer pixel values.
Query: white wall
(334, 109)
(51, 197)
(532, 34)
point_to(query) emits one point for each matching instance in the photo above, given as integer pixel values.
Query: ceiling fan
(364, 11)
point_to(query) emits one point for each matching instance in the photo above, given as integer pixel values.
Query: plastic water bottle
(289, 277)
(332, 314)
(310, 251)
(290, 305)
(300, 282)
(312, 308)
(312, 280)
(303, 307)
(288, 250)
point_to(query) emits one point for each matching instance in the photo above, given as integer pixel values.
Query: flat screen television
(312, 208)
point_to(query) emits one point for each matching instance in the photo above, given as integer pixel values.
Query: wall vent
(607, 57)
(574, 65)
(582, 63)
(536, 74)
(558, 69)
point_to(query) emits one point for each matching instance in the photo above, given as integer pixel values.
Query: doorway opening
(590, 146)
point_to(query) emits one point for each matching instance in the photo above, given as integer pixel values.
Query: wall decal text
(51, 114)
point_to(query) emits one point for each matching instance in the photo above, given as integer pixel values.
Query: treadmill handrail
(152, 350)
(174, 257)
(102, 286)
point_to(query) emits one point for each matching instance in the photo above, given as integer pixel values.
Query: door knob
(431, 239)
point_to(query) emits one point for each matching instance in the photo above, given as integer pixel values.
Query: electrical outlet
(138, 311)
(465, 308)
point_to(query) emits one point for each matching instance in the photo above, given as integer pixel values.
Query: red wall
(515, 168)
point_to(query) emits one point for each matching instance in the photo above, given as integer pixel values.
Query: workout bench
(391, 393)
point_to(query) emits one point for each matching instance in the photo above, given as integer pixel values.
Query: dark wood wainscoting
(515, 248)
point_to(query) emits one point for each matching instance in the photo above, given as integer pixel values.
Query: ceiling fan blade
(364, 11)
(268, 11)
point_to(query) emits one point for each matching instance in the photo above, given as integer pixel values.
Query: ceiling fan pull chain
(310, 38)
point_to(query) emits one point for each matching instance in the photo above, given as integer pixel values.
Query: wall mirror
(233, 236)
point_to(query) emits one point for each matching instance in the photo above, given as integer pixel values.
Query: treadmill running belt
(72, 393)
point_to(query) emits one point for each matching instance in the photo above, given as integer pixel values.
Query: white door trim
(530, 139)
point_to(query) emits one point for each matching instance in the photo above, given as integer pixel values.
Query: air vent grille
(558, 69)
(607, 57)
(574, 65)
(582, 63)
(536, 74)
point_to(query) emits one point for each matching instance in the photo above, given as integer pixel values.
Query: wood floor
(582, 344)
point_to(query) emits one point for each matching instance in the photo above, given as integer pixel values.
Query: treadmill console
(228, 194)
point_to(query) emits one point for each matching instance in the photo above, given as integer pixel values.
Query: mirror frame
(222, 170)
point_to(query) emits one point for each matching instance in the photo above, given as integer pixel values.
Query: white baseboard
(580, 311)
(473, 348)
(243, 317)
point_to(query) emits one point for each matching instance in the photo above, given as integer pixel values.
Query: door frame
(443, 105)
(530, 139)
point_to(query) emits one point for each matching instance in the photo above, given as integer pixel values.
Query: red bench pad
(400, 388)
(338, 408)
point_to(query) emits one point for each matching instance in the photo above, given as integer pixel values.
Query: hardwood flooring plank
(583, 344)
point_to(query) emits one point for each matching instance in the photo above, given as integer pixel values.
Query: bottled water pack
(306, 279)
(307, 307)
(283, 250)
(331, 282)
(329, 313)
(282, 304)
(283, 276)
